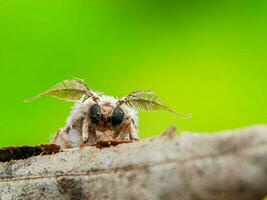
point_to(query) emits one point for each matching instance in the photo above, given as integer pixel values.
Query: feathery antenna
(68, 90)
(147, 100)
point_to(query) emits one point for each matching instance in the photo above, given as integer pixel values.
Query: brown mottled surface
(228, 165)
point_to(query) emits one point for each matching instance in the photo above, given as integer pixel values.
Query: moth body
(83, 129)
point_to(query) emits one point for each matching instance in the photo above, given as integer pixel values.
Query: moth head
(107, 111)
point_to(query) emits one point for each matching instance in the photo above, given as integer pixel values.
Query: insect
(96, 118)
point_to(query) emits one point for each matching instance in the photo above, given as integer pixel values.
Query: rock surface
(227, 165)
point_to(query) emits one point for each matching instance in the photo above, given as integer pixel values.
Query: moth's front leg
(85, 130)
(127, 131)
(89, 136)
(133, 131)
(59, 139)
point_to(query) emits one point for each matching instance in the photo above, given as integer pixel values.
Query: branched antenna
(147, 100)
(68, 90)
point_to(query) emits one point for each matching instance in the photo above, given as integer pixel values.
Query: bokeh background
(207, 58)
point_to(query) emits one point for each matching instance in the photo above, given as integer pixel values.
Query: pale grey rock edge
(227, 165)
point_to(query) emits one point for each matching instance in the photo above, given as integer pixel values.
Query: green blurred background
(203, 57)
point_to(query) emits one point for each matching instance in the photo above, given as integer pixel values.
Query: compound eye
(95, 113)
(117, 116)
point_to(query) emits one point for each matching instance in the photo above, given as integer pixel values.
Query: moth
(97, 118)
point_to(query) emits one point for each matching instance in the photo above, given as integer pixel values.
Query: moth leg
(56, 137)
(85, 130)
(127, 131)
(133, 131)
(59, 139)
